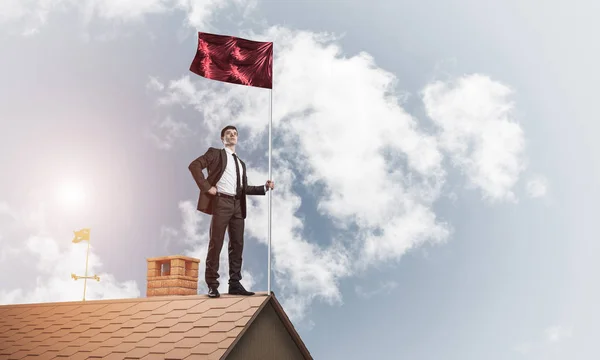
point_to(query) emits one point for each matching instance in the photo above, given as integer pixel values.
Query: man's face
(230, 137)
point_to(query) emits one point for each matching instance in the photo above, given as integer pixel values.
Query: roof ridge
(126, 300)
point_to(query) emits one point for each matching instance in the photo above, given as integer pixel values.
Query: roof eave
(239, 336)
(271, 299)
(289, 326)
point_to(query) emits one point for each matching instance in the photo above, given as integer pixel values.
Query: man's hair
(227, 128)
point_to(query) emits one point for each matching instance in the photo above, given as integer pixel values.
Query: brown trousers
(227, 214)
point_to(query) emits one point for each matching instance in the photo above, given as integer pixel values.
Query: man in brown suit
(223, 195)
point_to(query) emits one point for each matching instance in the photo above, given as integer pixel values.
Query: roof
(169, 327)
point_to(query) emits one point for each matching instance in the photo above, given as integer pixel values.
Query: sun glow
(72, 193)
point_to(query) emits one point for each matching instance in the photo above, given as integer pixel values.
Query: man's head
(229, 135)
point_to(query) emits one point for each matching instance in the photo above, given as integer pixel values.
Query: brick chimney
(172, 275)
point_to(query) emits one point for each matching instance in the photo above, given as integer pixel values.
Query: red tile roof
(170, 327)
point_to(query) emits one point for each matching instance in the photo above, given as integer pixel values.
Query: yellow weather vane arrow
(76, 277)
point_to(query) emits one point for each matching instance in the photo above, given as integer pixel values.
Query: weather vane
(84, 234)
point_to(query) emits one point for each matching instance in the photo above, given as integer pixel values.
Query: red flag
(234, 60)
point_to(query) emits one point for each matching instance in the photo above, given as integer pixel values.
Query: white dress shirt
(227, 183)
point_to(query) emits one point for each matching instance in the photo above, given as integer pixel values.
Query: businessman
(223, 196)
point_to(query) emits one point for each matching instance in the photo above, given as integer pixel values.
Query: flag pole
(270, 197)
(231, 67)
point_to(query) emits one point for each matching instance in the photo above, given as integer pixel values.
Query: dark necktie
(237, 175)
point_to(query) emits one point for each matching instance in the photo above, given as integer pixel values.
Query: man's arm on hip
(201, 163)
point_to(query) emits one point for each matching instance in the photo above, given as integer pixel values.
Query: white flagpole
(270, 197)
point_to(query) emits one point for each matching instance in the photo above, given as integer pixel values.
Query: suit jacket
(215, 161)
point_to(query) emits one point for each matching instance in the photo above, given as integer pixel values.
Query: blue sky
(435, 164)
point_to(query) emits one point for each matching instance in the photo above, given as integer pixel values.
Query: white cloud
(537, 187)
(199, 13)
(165, 133)
(12, 9)
(478, 132)
(124, 9)
(33, 14)
(154, 84)
(50, 265)
(180, 91)
(302, 269)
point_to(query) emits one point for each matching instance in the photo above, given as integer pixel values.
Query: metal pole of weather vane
(84, 234)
